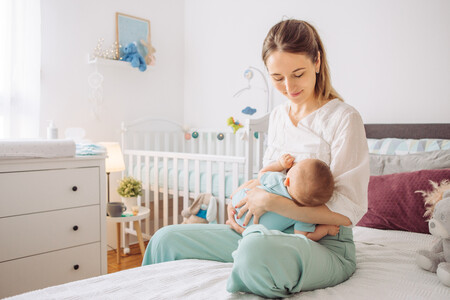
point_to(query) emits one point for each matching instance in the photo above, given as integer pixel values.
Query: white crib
(176, 164)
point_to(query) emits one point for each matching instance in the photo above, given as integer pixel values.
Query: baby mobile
(231, 122)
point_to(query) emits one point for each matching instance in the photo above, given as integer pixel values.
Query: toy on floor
(234, 124)
(438, 259)
(202, 210)
(132, 55)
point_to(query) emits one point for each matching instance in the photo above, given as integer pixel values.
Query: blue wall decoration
(195, 134)
(249, 110)
(131, 29)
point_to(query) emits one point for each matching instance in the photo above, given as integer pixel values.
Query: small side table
(144, 212)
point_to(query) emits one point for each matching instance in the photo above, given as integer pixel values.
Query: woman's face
(293, 75)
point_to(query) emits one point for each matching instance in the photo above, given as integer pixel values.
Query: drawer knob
(76, 267)
(75, 228)
(74, 188)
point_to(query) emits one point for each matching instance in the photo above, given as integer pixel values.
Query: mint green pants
(266, 262)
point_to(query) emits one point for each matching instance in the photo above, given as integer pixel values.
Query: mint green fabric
(273, 182)
(188, 241)
(268, 263)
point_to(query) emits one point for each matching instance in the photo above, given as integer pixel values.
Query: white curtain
(20, 67)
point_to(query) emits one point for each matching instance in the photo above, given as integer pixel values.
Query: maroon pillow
(393, 203)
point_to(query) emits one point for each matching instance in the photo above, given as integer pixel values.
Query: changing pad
(13, 149)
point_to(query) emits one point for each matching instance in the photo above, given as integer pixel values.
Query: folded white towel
(28, 148)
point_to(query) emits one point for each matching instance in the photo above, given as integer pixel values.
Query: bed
(386, 244)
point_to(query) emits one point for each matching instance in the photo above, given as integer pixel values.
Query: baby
(308, 183)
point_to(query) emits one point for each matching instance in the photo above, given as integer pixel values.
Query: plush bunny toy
(438, 259)
(202, 210)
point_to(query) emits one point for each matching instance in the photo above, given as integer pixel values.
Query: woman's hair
(295, 36)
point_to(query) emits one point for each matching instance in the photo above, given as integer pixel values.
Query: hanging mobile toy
(234, 124)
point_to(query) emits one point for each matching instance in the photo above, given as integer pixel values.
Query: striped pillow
(393, 146)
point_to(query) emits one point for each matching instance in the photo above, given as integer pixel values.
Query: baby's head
(310, 182)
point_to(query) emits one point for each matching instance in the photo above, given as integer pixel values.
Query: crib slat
(260, 147)
(236, 145)
(221, 192)
(175, 191)
(186, 184)
(197, 177)
(194, 145)
(201, 141)
(130, 165)
(208, 144)
(138, 177)
(138, 167)
(147, 192)
(165, 193)
(228, 142)
(249, 152)
(157, 141)
(235, 175)
(174, 140)
(156, 194)
(135, 139)
(208, 177)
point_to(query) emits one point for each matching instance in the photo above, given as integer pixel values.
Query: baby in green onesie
(308, 183)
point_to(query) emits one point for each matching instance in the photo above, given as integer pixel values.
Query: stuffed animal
(432, 197)
(234, 124)
(132, 55)
(149, 57)
(438, 259)
(202, 210)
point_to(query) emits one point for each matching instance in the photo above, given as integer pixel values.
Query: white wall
(70, 31)
(388, 58)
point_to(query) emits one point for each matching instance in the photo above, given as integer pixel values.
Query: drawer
(27, 235)
(40, 271)
(38, 191)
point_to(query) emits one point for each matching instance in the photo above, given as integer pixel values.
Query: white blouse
(335, 134)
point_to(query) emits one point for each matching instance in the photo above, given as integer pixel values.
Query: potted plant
(129, 188)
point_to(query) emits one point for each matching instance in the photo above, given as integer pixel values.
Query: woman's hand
(254, 204)
(231, 221)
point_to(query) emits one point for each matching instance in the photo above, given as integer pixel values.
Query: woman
(314, 123)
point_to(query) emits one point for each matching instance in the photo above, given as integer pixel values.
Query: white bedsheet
(386, 269)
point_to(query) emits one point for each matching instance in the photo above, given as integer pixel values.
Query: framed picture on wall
(131, 29)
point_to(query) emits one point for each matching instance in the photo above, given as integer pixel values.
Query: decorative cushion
(393, 146)
(389, 164)
(393, 203)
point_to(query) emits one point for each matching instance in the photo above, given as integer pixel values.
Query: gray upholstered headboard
(412, 131)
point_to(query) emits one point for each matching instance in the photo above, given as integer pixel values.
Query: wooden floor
(127, 261)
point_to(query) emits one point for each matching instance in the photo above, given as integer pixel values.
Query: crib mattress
(228, 187)
(386, 269)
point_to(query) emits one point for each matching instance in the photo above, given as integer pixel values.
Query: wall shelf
(107, 62)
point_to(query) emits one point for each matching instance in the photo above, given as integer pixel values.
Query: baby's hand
(286, 161)
(333, 230)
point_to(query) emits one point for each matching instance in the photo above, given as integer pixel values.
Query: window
(20, 63)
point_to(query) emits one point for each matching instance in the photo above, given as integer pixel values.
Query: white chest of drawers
(52, 222)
